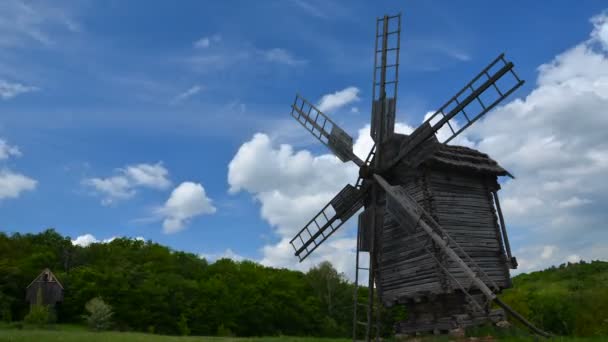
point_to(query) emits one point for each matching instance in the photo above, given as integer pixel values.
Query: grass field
(77, 334)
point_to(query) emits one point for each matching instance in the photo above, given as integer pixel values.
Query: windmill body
(457, 186)
(431, 223)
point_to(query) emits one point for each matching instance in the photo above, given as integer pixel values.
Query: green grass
(76, 333)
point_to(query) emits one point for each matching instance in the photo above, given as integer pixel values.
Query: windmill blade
(324, 129)
(335, 213)
(384, 100)
(468, 104)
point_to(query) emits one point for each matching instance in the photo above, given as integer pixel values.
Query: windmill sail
(386, 72)
(324, 129)
(468, 104)
(335, 213)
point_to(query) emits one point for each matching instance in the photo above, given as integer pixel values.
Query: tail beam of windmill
(431, 225)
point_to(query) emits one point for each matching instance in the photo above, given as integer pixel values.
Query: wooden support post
(503, 230)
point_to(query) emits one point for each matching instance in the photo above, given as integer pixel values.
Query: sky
(170, 121)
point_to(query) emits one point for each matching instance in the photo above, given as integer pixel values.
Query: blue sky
(126, 115)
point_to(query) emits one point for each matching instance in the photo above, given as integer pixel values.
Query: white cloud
(226, 254)
(87, 239)
(6, 150)
(282, 56)
(310, 9)
(186, 94)
(113, 188)
(553, 140)
(205, 42)
(25, 22)
(573, 202)
(13, 184)
(187, 201)
(84, 240)
(202, 43)
(548, 252)
(8, 90)
(148, 175)
(123, 186)
(291, 187)
(338, 99)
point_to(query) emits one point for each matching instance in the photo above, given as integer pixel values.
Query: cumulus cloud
(13, 184)
(553, 140)
(291, 186)
(123, 185)
(87, 239)
(8, 90)
(148, 175)
(338, 99)
(7, 151)
(187, 201)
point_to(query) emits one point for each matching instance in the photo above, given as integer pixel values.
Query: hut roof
(40, 278)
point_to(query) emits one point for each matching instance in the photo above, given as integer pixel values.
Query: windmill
(431, 223)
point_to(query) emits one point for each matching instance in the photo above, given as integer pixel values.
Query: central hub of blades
(366, 172)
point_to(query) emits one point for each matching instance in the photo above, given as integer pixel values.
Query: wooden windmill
(432, 223)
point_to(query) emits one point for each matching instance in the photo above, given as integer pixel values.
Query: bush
(39, 315)
(182, 325)
(100, 314)
(224, 331)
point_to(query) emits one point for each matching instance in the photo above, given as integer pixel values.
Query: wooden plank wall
(463, 206)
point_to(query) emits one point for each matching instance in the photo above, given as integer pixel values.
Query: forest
(152, 288)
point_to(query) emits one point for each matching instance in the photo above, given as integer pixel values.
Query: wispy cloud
(186, 94)
(8, 90)
(226, 254)
(282, 56)
(123, 185)
(206, 42)
(24, 22)
(311, 9)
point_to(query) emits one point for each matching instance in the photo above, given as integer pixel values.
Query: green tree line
(155, 289)
(152, 288)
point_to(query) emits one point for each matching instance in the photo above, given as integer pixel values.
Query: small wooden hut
(49, 288)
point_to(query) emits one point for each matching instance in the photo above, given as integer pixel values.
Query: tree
(325, 280)
(100, 314)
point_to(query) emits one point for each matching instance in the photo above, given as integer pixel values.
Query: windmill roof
(464, 158)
